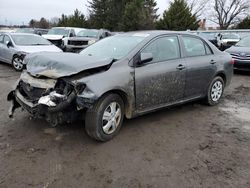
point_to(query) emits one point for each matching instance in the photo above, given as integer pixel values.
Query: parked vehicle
(226, 40)
(15, 46)
(124, 75)
(209, 36)
(85, 38)
(241, 53)
(37, 31)
(59, 36)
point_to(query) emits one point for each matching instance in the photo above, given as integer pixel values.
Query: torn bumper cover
(56, 101)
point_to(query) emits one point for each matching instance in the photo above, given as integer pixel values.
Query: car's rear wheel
(105, 119)
(215, 91)
(17, 63)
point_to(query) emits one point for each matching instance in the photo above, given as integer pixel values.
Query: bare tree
(197, 6)
(227, 12)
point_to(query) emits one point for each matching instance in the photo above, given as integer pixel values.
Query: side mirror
(145, 58)
(8, 44)
(71, 35)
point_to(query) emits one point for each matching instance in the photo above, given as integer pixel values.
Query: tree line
(127, 15)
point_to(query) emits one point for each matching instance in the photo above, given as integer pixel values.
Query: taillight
(232, 61)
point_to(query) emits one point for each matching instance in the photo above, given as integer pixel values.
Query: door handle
(180, 67)
(212, 62)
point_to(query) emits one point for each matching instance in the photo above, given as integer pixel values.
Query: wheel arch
(223, 76)
(18, 54)
(14, 55)
(128, 102)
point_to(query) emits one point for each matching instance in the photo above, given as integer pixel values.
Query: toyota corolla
(125, 75)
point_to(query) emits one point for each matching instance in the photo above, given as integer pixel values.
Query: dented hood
(56, 65)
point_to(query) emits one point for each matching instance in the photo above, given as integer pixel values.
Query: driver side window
(163, 49)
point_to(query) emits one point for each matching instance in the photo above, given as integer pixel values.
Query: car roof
(27, 34)
(67, 28)
(153, 33)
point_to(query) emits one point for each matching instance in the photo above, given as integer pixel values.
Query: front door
(161, 81)
(5, 50)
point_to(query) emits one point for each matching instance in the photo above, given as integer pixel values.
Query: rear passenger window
(194, 46)
(162, 49)
(208, 50)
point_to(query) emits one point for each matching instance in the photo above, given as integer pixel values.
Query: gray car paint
(56, 65)
(141, 87)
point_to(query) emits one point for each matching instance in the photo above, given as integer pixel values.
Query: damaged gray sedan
(121, 76)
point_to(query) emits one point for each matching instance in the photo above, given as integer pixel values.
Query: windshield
(29, 40)
(59, 31)
(115, 47)
(88, 33)
(245, 42)
(230, 36)
(25, 30)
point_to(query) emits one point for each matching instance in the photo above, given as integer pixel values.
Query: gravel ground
(187, 146)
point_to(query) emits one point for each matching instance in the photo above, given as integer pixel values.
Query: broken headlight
(61, 93)
(79, 88)
(63, 88)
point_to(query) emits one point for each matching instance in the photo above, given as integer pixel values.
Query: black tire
(210, 100)
(15, 61)
(94, 118)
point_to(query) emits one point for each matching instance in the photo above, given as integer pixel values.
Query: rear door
(201, 67)
(161, 81)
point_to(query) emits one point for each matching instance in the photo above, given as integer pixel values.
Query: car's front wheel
(215, 91)
(17, 63)
(105, 119)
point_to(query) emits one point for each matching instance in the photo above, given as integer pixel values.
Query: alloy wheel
(216, 91)
(111, 118)
(18, 63)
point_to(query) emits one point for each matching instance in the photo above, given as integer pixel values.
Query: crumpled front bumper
(55, 100)
(65, 112)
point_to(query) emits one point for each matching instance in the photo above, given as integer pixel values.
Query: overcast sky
(22, 11)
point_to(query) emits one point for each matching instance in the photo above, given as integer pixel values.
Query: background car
(226, 40)
(85, 38)
(15, 46)
(211, 36)
(241, 53)
(59, 35)
(37, 31)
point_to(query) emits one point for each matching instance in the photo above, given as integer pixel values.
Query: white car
(59, 35)
(15, 46)
(226, 40)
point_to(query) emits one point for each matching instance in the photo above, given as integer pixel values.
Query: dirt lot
(188, 146)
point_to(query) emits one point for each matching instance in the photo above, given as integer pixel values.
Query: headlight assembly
(91, 42)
